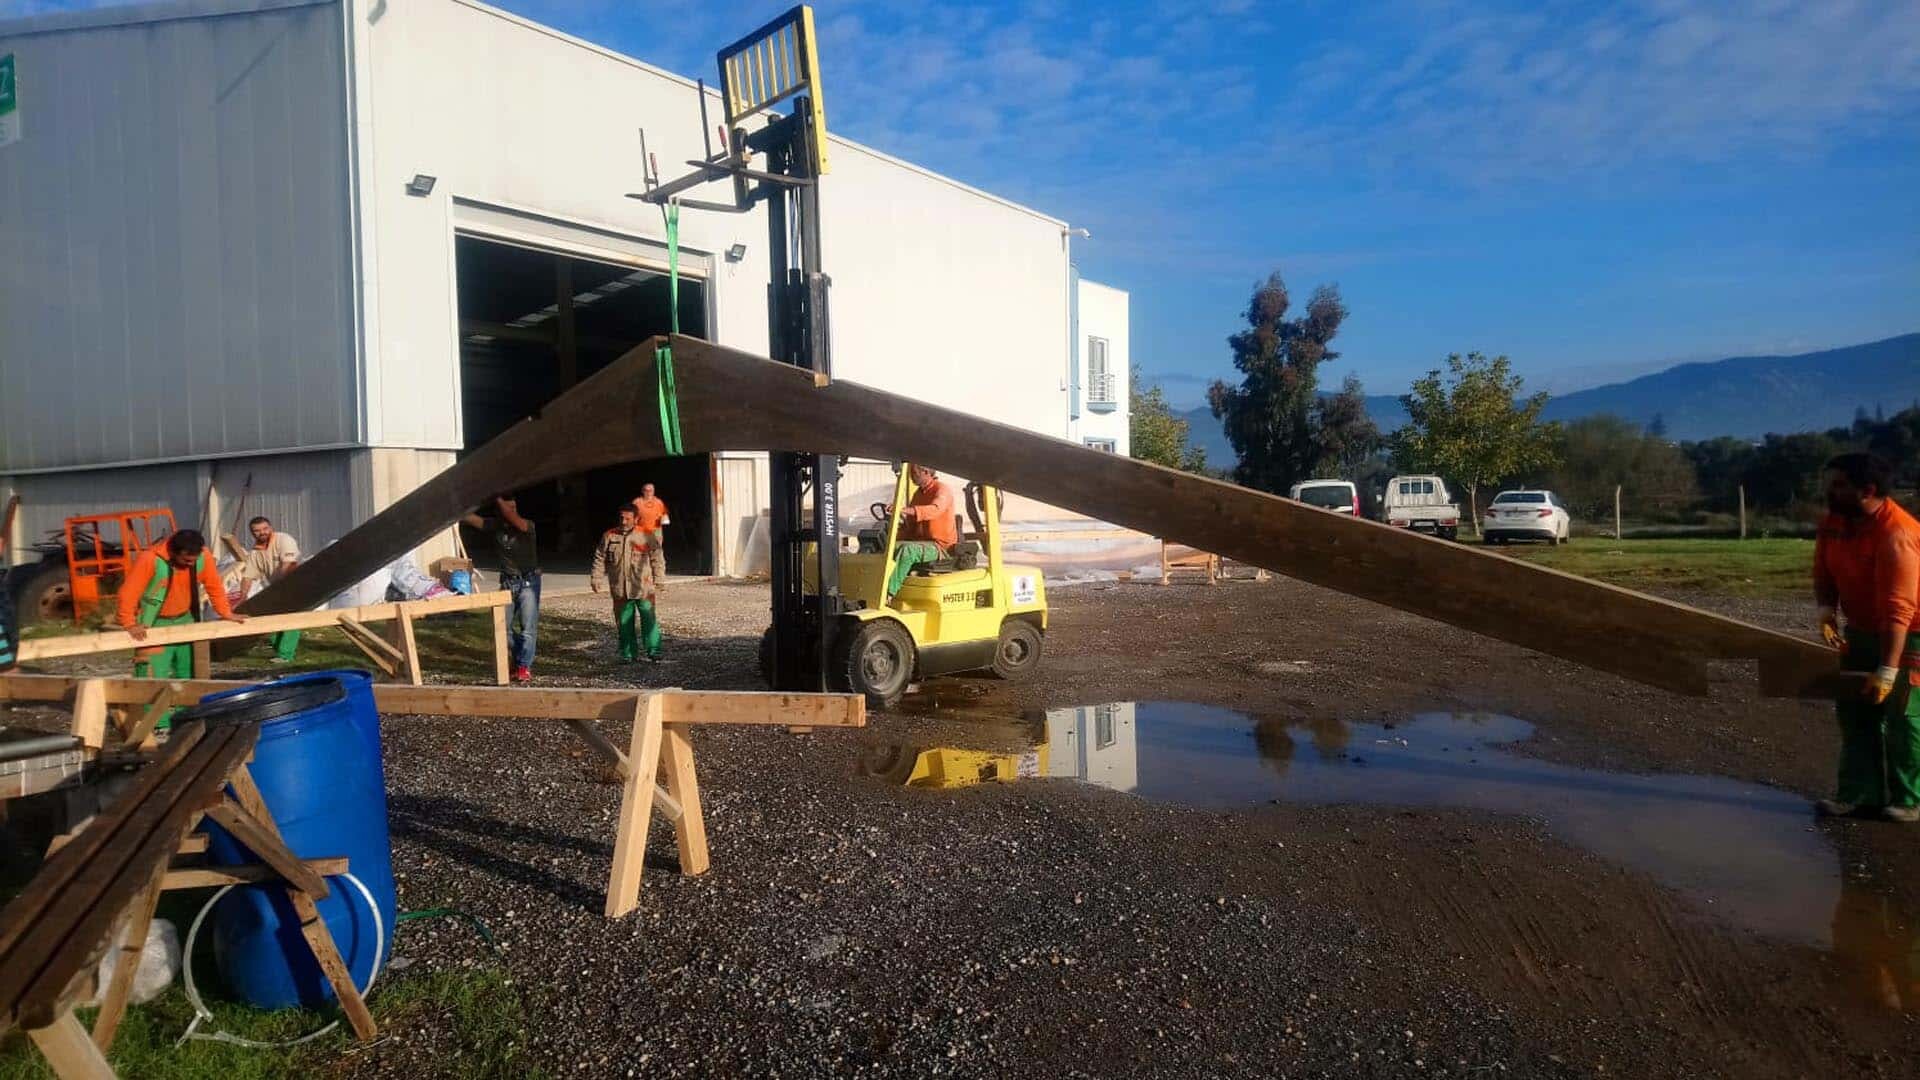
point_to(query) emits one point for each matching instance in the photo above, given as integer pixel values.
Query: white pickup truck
(1422, 502)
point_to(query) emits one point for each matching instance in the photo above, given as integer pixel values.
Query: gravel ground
(1050, 929)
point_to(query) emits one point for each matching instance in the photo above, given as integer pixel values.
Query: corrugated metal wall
(174, 223)
(308, 495)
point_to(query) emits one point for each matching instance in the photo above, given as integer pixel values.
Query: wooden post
(1166, 573)
(70, 1050)
(1616, 511)
(636, 807)
(402, 631)
(90, 713)
(1743, 511)
(202, 659)
(690, 832)
(500, 646)
(113, 1004)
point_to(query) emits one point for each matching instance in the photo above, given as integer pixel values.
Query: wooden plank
(501, 661)
(64, 943)
(690, 829)
(663, 800)
(269, 848)
(164, 698)
(636, 808)
(90, 713)
(373, 641)
(37, 900)
(409, 646)
(120, 641)
(327, 954)
(207, 877)
(365, 640)
(70, 1050)
(193, 844)
(113, 1004)
(202, 659)
(736, 707)
(734, 400)
(1041, 535)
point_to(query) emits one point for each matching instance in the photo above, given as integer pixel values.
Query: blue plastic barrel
(318, 767)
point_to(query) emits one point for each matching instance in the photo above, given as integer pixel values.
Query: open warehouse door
(535, 322)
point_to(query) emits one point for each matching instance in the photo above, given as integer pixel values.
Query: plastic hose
(200, 1010)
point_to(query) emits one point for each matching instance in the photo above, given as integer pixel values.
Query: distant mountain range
(1743, 396)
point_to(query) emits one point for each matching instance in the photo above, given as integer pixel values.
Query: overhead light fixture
(421, 185)
(736, 252)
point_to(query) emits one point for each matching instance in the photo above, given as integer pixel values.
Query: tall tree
(1347, 438)
(1473, 428)
(1156, 434)
(1269, 417)
(1657, 427)
(1599, 453)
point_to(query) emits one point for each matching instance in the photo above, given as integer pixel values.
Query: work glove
(1880, 687)
(1830, 628)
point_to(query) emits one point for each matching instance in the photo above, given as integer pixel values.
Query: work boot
(1834, 808)
(1905, 815)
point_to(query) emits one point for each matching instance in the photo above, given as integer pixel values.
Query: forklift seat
(966, 555)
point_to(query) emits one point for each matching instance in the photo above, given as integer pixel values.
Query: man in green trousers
(623, 565)
(1866, 569)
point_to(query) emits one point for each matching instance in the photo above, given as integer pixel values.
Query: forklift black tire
(44, 594)
(1017, 656)
(766, 657)
(878, 661)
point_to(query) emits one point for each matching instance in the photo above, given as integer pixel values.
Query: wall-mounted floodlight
(736, 252)
(1081, 233)
(421, 185)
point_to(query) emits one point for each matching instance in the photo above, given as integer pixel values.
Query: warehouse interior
(534, 322)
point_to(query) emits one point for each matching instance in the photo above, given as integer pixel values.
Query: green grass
(1772, 568)
(482, 1021)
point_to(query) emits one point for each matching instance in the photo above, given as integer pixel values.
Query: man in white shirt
(273, 556)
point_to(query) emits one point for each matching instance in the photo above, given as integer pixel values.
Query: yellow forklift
(969, 611)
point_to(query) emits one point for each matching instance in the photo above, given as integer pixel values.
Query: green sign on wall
(9, 102)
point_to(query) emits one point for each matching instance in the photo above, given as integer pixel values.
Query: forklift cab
(968, 611)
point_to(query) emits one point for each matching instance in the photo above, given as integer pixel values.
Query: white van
(1339, 496)
(1422, 503)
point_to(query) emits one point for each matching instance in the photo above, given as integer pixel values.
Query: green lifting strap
(663, 356)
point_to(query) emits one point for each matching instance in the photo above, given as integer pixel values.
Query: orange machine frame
(87, 573)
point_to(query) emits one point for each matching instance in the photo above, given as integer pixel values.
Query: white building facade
(307, 252)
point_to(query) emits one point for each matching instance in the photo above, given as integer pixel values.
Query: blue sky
(1595, 190)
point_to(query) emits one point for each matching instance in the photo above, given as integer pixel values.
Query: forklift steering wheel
(878, 510)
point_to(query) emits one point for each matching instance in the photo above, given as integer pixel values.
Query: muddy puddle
(1747, 853)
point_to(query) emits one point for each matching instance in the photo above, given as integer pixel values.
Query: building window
(1100, 388)
(1103, 717)
(1107, 445)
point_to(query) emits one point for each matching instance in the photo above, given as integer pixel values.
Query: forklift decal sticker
(1024, 590)
(955, 597)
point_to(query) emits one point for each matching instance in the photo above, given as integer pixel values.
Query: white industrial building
(310, 251)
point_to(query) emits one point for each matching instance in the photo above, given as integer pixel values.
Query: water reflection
(1749, 852)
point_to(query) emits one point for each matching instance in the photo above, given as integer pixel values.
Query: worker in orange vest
(163, 588)
(1866, 569)
(929, 526)
(649, 515)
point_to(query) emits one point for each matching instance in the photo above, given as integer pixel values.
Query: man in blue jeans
(514, 544)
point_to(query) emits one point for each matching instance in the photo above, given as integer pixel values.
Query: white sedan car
(1527, 515)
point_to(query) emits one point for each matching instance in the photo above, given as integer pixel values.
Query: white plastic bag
(159, 963)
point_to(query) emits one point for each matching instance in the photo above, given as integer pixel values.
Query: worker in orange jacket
(163, 588)
(928, 528)
(1866, 569)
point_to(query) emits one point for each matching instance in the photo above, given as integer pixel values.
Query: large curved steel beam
(730, 400)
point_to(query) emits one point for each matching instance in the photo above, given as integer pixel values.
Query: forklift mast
(778, 65)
